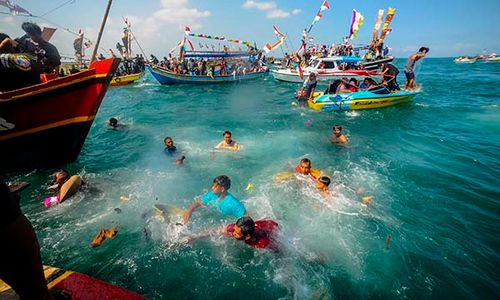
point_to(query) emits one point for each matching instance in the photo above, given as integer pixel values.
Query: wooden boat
(358, 100)
(168, 77)
(46, 124)
(126, 79)
(76, 286)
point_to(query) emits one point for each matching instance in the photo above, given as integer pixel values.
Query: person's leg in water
(21, 264)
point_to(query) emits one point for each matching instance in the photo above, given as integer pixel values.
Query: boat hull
(76, 286)
(46, 125)
(126, 79)
(290, 76)
(168, 78)
(359, 100)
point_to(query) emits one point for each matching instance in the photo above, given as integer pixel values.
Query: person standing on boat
(390, 75)
(410, 64)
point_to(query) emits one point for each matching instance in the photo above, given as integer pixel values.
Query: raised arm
(187, 214)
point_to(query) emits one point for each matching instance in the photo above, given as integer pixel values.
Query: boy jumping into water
(410, 63)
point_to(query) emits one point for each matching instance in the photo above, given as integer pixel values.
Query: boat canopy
(217, 54)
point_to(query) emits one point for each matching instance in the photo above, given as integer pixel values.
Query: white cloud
(273, 12)
(278, 14)
(259, 5)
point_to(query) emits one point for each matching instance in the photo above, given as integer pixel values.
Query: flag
(268, 47)
(14, 8)
(317, 18)
(187, 30)
(277, 32)
(324, 6)
(388, 19)
(310, 39)
(378, 22)
(47, 33)
(356, 22)
(299, 69)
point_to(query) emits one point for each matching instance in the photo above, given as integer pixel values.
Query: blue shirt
(229, 206)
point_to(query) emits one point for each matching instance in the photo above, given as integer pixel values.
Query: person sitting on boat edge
(308, 87)
(228, 143)
(219, 196)
(337, 136)
(170, 149)
(390, 75)
(376, 88)
(260, 234)
(410, 63)
(343, 87)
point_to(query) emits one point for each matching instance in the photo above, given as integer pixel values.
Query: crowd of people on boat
(209, 67)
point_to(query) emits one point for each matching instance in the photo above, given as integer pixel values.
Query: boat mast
(100, 31)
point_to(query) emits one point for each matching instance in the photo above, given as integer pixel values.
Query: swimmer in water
(171, 149)
(228, 143)
(113, 123)
(225, 202)
(256, 234)
(322, 185)
(337, 136)
(304, 167)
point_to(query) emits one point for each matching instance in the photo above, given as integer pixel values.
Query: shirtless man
(410, 63)
(337, 136)
(228, 143)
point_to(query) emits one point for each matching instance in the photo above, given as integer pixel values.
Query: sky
(448, 27)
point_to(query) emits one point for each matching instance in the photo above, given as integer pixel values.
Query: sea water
(432, 167)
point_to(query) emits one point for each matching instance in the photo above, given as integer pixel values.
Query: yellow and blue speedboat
(358, 100)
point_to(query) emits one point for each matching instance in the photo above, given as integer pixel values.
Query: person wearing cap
(226, 203)
(50, 58)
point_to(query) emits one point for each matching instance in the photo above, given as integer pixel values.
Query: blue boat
(169, 77)
(358, 100)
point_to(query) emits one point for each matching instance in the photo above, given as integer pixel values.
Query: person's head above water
(169, 143)
(304, 166)
(227, 137)
(221, 184)
(337, 130)
(244, 228)
(323, 183)
(113, 122)
(60, 177)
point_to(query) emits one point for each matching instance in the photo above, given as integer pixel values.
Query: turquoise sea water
(432, 166)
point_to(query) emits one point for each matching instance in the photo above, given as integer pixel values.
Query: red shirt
(264, 229)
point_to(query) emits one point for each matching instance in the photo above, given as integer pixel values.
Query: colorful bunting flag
(356, 22)
(324, 6)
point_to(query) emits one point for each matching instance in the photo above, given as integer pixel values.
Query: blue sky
(449, 28)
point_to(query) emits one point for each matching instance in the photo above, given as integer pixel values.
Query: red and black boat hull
(46, 125)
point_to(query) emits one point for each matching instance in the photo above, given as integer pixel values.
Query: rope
(54, 9)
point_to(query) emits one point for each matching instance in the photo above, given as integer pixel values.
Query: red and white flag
(190, 45)
(277, 32)
(187, 30)
(325, 5)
